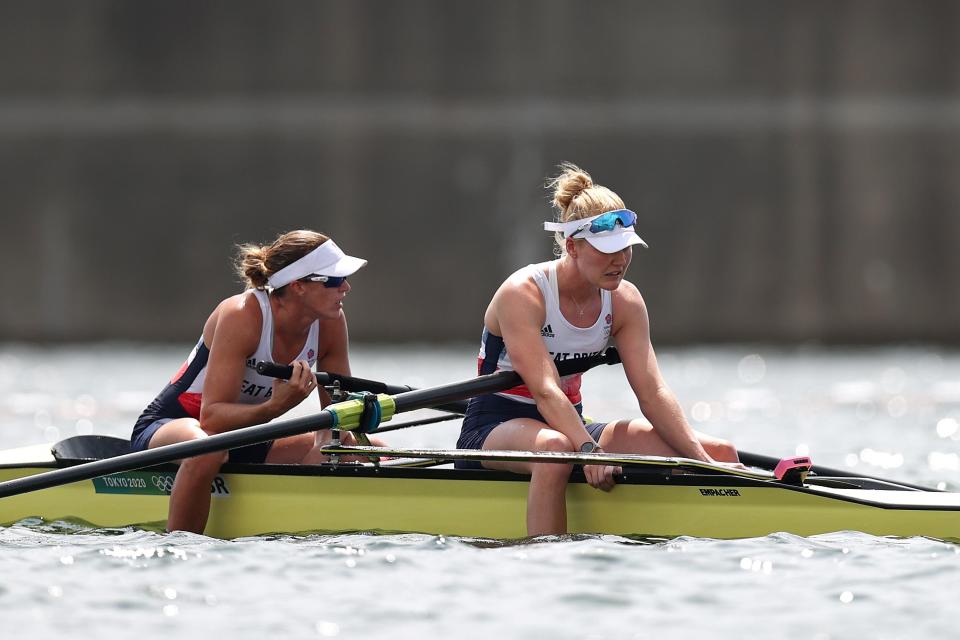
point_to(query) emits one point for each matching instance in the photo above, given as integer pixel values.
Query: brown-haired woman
(291, 312)
(569, 308)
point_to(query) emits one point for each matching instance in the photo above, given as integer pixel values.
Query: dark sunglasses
(330, 282)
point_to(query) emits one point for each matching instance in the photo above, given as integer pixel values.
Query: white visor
(616, 239)
(326, 260)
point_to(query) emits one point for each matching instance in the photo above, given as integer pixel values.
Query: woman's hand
(601, 476)
(730, 465)
(289, 393)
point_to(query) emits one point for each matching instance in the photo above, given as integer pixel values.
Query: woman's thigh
(290, 450)
(634, 436)
(179, 430)
(638, 436)
(524, 434)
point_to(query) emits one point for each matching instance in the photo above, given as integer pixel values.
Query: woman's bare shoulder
(519, 294)
(239, 315)
(627, 294)
(520, 285)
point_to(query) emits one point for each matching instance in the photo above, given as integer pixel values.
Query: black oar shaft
(384, 428)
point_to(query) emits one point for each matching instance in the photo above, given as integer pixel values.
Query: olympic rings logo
(164, 483)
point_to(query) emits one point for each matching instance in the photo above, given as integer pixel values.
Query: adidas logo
(547, 332)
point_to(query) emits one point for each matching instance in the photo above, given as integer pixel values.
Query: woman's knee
(553, 442)
(550, 440)
(551, 472)
(179, 430)
(208, 463)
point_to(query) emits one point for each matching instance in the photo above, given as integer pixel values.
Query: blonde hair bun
(575, 196)
(571, 182)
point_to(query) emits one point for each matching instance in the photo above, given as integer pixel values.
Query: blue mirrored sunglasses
(608, 221)
(330, 282)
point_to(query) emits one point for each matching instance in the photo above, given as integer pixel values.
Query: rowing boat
(662, 497)
(97, 480)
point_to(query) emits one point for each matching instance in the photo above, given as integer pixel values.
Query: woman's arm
(632, 333)
(333, 352)
(519, 312)
(233, 332)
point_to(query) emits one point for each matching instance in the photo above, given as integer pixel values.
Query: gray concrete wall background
(794, 164)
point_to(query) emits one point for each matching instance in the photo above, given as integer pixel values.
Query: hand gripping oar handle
(347, 383)
(329, 417)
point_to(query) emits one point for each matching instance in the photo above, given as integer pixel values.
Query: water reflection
(948, 428)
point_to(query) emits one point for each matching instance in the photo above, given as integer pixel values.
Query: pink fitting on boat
(793, 470)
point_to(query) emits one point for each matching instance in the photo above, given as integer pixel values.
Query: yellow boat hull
(275, 499)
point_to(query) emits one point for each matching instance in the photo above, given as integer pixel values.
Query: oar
(762, 461)
(348, 383)
(343, 415)
(416, 423)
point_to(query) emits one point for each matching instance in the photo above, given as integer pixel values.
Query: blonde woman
(290, 312)
(568, 308)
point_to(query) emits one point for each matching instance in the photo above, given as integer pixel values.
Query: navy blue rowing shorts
(486, 413)
(145, 429)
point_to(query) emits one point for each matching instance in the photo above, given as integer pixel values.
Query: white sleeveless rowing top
(563, 340)
(255, 388)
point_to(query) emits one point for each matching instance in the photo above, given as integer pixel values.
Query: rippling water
(890, 412)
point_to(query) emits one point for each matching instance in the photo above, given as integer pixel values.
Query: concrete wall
(794, 164)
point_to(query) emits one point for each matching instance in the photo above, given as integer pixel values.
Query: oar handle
(274, 370)
(347, 383)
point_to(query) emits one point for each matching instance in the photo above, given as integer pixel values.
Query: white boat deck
(26, 456)
(885, 497)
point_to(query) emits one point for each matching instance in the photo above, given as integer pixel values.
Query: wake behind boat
(664, 497)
